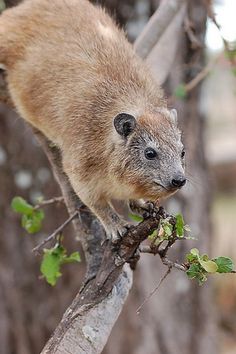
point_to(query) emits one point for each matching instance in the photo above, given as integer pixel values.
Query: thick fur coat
(70, 72)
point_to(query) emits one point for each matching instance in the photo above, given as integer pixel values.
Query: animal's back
(73, 60)
(72, 73)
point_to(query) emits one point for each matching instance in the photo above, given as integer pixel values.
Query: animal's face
(153, 158)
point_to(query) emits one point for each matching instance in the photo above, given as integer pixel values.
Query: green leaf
(52, 261)
(225, 264)
(50, 266)
(180, 91)
(179, 226)
(32, 223)
(234, 71)
(209, 266)
(191, 258)
(195, 271)
(205, 257)
(194, 251)
(20, 205)
(153, 235)
(168, 229)
(74, 257)
(136, 218)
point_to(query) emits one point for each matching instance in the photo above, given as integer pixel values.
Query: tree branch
(201, 75)
(156, 26)
(162, 56)
(56, 232)
(154, 290)
(51, 201)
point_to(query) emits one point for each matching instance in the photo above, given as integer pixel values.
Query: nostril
(178, 182)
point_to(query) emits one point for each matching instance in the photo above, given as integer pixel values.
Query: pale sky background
(225, 11)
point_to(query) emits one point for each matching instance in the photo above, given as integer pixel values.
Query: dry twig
(201, 75)
(49, 202)
(55, 233)
(154, 290)
(188, 27)
(165, 260)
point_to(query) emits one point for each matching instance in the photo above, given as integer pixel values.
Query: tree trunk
(179, 318)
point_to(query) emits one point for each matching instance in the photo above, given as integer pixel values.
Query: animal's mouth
(161, 185)
(169, 189)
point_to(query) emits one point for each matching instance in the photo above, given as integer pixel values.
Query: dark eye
(150, 153)
(182, 154)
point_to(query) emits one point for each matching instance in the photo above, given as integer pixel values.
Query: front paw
(142, 208)
(116, 232)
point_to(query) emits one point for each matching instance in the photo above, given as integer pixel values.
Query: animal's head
(151, 157)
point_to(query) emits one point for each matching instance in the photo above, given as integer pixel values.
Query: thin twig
(155, 289)
(55, 233)
(48, 202)
(188, 27)
(201, 75)
(165, 260)
(176, 265)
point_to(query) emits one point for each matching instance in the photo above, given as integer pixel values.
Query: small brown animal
(73, 75)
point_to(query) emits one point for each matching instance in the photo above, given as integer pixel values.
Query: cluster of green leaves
(31, 218)
(167, 229)
(53, 258)
(52, 261)
(200, 265)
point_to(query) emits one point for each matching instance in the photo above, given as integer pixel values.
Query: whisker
(193, 179)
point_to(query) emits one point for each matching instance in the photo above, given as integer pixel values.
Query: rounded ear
(174, 115)
(124, 124)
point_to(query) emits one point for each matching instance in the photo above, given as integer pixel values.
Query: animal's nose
(178, 181)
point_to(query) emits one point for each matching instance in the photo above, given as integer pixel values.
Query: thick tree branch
(156, 26)
(162, 56)
(98, 294)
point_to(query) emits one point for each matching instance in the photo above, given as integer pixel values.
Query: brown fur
(70, 72)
